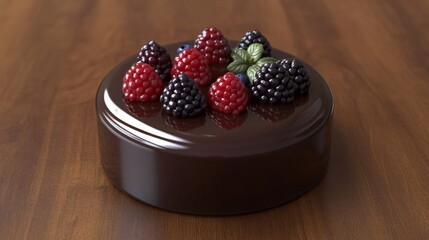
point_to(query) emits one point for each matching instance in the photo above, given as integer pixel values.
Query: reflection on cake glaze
(138, 129)
(227, 121)
(184, 124)
(153, 141)
(139, 109)
(277, 112)
(301, 99)
(272, 112)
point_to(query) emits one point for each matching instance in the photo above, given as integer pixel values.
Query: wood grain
(54, 54)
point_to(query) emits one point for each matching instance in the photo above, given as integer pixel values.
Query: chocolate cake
(215, 163)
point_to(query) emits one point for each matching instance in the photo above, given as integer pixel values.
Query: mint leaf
(255, 51)
(237, 57)
(242, 53)
(264, 60)
(238, 66)
(251, 72)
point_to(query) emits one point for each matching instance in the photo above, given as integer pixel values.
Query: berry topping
(244, 78)
(141, 83)
(273, 85)
(297, 73)
(194, 64)
(182, 97)
(255, 37)
(213, 45)
(248, 61)
(228, 94)
(155, 55)
(183, 47)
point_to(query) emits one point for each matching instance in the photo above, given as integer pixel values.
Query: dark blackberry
(182, 97)
(273, 85)
(255, 37)
(155, 55)
(297, 73)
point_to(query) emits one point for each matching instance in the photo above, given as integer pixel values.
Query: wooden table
(374, 54)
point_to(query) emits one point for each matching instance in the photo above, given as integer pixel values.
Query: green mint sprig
(248, 61)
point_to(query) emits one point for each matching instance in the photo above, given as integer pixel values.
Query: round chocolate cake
(216, 163)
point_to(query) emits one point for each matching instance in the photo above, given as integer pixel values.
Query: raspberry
(227, 121)
(255, 37)
(194, 64)
(183, 98)
(272, 112)
(141, 83)
(273, 85)
(228, 94)
(297, 73)
(155, 55)
(213, 45)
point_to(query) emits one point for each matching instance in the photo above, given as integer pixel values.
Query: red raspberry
(214, 46)
(194, 64)
(141, 83)
(228, 94)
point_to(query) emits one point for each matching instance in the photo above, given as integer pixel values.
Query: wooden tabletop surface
(54, 54)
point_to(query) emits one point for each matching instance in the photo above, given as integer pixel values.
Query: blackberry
(297, 73)
(182, 97)
(255, 37)
(155, 55)
(273, 85)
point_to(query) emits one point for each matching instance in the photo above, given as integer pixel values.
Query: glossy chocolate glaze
(215, 164)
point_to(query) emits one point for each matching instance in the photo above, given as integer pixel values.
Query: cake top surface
(261, 128)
